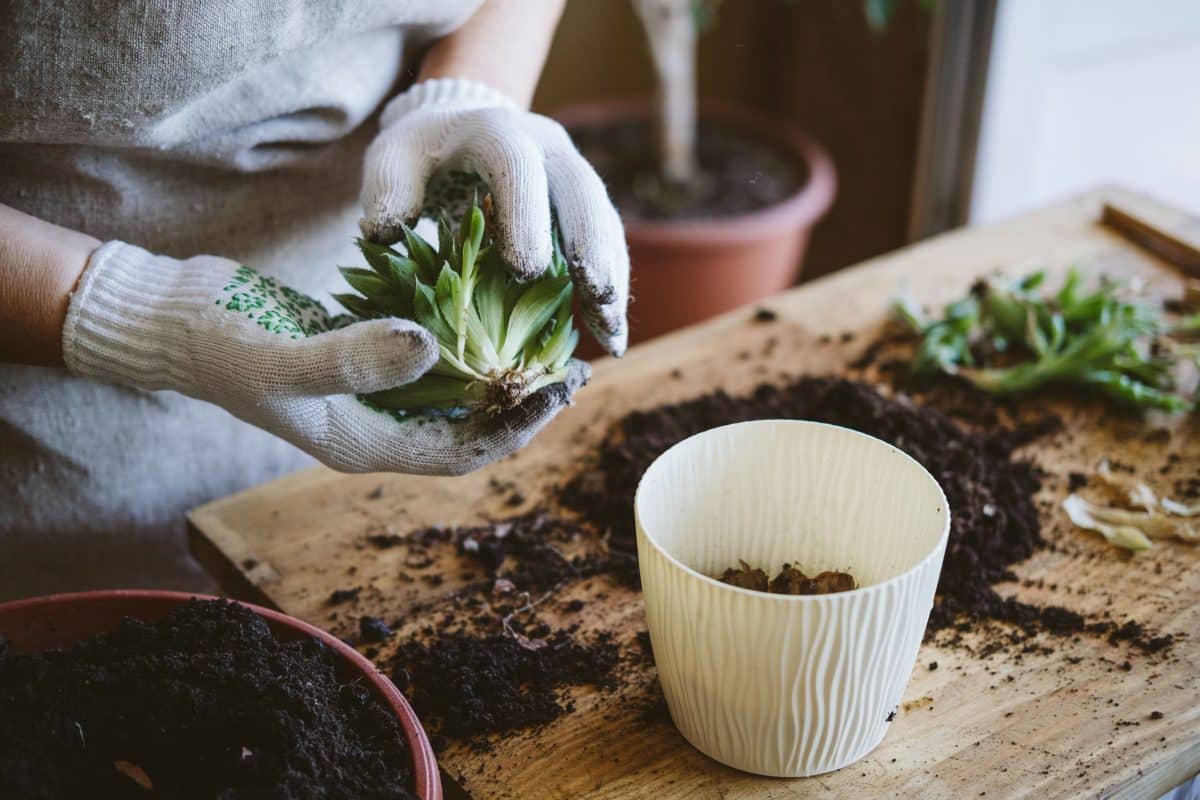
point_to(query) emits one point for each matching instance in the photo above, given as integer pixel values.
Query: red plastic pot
(688, 270)
(59, 620)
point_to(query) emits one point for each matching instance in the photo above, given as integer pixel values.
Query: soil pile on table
(994, 520)
(482, 662)
(527, 551)
(468, 686)
(204, 703)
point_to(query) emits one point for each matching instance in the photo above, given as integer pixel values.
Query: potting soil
(738, 171)
(204, 703)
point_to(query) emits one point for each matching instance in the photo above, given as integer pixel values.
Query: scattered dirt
(526, 550)
(790, 580)
(469, 686)
(384, 541)
(204, 703)
(485, 663)
(373, 629)
(340, 596)
(995, 523)
(534, 552)
(920, 704)
(739, 172)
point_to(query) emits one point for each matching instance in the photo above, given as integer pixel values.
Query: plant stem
(671, 31)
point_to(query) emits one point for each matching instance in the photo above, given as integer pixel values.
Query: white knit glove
(217, 331)
(529, 164)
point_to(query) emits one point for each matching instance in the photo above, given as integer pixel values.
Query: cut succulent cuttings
(1008, 337)
(500, 339)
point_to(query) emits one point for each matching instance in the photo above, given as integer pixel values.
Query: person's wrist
(40, 264)
(68, 265)
(117, 326)
(503, 44)
(461, 92)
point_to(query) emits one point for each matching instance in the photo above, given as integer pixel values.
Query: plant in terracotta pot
(716, 199)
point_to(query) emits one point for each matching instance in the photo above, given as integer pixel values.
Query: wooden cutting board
(1077, 721)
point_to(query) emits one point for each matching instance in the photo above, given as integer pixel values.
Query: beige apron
(232, 127)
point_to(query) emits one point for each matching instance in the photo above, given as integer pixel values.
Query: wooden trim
(951, 110)
(1162, 779)
(1174, 238)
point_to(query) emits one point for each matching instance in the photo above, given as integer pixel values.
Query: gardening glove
(218, 331)
(529, 164)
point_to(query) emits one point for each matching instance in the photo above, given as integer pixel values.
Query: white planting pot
(787, 685)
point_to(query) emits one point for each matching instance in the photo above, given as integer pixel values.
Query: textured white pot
(772, 684)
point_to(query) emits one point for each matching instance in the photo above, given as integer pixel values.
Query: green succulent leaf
(533, 310)
(489, 304)
(448, 295)
(427, 392)
(425, 257)
(427, 311)
(402, 272)
(365, 281)
(558, 347)
(909, 311)
(375, 254)
(359, 306)
(447, 245)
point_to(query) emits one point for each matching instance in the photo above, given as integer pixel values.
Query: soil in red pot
(739, 172)
(204, 703)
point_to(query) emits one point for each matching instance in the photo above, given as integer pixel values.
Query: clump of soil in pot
(790, 580)
(204, 703)
(739, 172)
(745, 577)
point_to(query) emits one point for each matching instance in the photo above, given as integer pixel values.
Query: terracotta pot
(685, 271)
(59, 620)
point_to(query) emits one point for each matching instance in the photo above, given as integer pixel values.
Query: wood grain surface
(1075, 718)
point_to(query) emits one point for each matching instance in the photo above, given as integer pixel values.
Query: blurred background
(933, 113)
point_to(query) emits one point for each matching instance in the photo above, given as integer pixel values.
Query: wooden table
(1068, 723)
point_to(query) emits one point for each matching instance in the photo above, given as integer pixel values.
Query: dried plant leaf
(1132, 530)
(1132, 493)
(1126, 491)
(1180, 509)
(1127, 536)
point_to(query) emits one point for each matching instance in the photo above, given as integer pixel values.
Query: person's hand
(529, 164)
(218, 331)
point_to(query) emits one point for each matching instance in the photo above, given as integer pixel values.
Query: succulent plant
(500, 339)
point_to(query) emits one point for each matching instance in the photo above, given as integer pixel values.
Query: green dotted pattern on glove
(275, 308)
